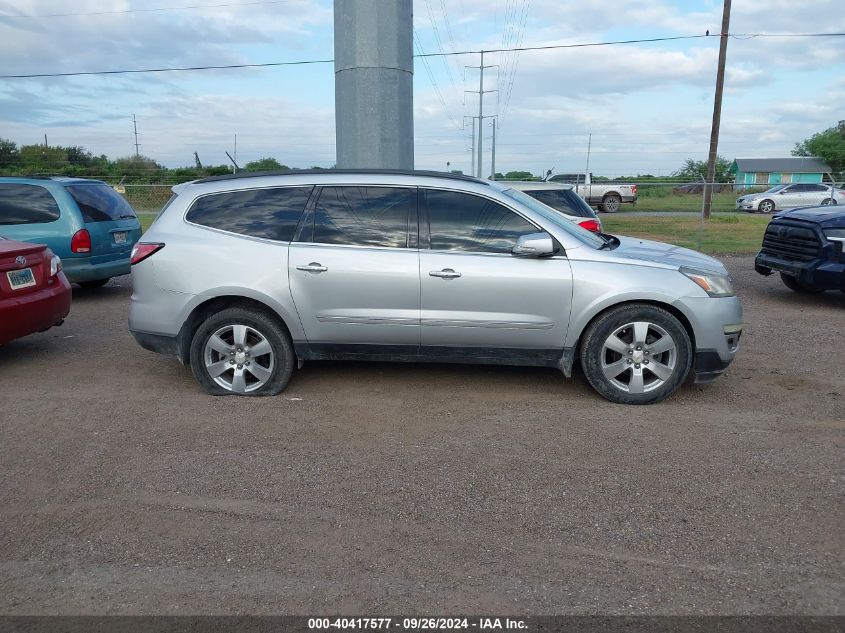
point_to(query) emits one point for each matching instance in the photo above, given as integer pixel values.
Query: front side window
(100, 203)
(465, 222)
(364, 216)
(27, 204)
(267, 213)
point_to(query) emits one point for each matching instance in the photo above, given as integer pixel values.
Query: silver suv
(244, 276)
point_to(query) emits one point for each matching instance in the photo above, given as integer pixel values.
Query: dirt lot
(369, 488)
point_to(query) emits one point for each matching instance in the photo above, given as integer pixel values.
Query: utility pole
(493, 157)
(472, 151)
(717, 110)
(478, 169)
(374, 88)
(135, 126)
(236, 147)
(587, 168)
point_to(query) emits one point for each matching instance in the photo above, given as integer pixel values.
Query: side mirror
(534, 245)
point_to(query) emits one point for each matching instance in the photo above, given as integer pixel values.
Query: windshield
(583, 235)
(775, 189)
(100, 203)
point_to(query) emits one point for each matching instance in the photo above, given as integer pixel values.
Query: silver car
(243, 277)
(782, 197)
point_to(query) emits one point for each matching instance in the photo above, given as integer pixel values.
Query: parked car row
(56, 231)
(781, 197)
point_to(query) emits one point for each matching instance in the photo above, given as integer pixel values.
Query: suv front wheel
(636, 354)
(241, 351)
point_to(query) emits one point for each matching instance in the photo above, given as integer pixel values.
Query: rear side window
(100, 203)
(364, 216)
(27, 204)
(563, 200)
(271, 214)
(464, 222)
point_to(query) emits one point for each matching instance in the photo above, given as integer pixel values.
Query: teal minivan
(90, 226)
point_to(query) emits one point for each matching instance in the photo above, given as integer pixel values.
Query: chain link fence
(664, 211)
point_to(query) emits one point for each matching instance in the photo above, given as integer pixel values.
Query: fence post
(703, 206)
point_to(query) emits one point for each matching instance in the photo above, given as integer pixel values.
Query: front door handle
(446, 273)
(313, 267)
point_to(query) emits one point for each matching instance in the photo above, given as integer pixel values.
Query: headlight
(713, 285)
(836, 235)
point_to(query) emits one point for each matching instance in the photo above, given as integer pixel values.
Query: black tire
(96, 283)
(766, 206)
(278, 362)
(594, 354)
(611, 203)
(793, 284)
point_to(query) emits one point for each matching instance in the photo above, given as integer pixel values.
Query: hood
(667, 254)
(816, 214)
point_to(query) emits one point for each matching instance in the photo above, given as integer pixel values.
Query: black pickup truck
(807, 247)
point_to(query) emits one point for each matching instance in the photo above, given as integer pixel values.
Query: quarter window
(27, 204)
(364, 216)
(268, 213)
(464, 222)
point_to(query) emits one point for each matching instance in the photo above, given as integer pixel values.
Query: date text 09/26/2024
(417, 624)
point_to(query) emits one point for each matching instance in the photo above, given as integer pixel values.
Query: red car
(34, 292)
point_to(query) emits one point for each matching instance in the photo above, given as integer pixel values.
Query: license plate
(120, 237)
(21, 278)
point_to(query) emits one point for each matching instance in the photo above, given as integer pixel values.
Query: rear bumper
(36, 311)
(161, 344)
(88, 269)
(817, 273)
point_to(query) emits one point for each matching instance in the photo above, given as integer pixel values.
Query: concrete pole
(473, 146)
(374, 70)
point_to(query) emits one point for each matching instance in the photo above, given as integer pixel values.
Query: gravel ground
(385, 488)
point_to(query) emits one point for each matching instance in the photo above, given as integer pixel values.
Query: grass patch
(665, 200)
(723, 234)
(146, 218)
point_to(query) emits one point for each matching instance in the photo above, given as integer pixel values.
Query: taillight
(80, 242)
(142, 250)
(591, 225)
(634, 189)
(55, 265)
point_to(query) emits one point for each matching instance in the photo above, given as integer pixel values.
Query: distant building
(757, 172)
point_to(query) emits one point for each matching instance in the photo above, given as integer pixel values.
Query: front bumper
(717, 326)
(817, 273)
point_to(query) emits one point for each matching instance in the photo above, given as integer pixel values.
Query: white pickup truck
(606, 196)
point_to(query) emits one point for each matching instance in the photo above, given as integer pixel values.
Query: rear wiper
(128, 217)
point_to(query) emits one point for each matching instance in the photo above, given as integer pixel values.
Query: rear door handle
(313, 267)
(446, 273)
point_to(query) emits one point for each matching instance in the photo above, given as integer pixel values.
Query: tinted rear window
(563, 200)
(267, 213)
(364, 216)
(100, 203)
(27, 204)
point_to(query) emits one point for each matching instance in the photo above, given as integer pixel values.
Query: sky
(642, 108)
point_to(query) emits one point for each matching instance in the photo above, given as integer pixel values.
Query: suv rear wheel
(241, 351)
(636, 354)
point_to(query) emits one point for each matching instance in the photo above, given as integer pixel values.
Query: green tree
(695, 170)
(266, 164)
(519, 175)
(9, 155)
(43, 159)
(828, 145)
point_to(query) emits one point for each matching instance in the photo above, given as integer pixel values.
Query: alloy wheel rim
(639, 357)
(239, 358)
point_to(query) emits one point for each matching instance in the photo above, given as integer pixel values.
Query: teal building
(761, 172)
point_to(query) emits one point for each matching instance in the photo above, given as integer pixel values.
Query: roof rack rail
(308, 172)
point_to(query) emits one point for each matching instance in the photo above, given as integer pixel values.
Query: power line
(420, 55)
(123, 12)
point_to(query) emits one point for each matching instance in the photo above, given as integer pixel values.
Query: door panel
(363, 295)
(498, 301)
